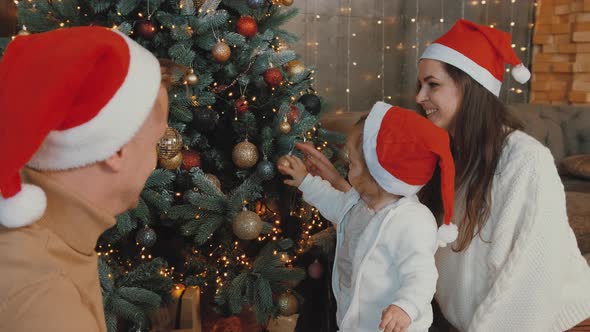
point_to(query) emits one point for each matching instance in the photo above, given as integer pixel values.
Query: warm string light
(417, 42)
(382, 75)
(348, 56)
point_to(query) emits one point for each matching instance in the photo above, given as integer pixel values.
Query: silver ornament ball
(266, 170)
(146, 237)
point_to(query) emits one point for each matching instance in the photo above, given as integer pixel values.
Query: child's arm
(332, 204)
(413, 244)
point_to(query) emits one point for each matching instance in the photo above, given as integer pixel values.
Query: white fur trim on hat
(384, 178)
(448, 55)
(115, 124)
(447, 234)
(24, 208)
(521, 73)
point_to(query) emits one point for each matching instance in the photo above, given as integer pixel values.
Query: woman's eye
(433, 85)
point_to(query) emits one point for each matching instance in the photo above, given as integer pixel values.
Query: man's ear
(115, 162)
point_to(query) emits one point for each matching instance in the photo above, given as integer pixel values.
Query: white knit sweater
(392, 261)
(525, 272)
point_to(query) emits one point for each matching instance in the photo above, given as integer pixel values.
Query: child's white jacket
(394, 260)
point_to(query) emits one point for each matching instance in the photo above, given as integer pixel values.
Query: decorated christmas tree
(215, 214)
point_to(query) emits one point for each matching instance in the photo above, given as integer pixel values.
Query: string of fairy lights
(228, 258)
(382, 23)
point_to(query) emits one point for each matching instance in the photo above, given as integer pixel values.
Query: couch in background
(565, 130)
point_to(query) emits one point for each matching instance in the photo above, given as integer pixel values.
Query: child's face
(358, 174)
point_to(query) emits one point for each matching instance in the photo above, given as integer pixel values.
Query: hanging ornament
(170, 144)
(245, 154)
(205, 119)
(191, 78)
(284, 162)
(146, 237)
(172, 163)
(255, 4)
(287, 2)
(145, 28)
(315, 270)
(294, 68)
(190, 159)
(273, 77)
(285, 126)
(241, 105)
(214, 180)
(288, 304)
(247, 225)
(294, 115)
(266, 170)
(221, 52)
(311, 103)
(247, 26)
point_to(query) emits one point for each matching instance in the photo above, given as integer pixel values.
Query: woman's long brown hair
(480, 130)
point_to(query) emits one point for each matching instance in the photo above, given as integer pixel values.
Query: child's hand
(317, 164)
(394, 319)
(296, 170)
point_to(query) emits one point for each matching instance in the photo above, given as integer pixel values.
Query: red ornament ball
(190, 159)
(294, 115)
(241, 105)
(146, 29)
(247, 26)
(273, 77)
(315, 270)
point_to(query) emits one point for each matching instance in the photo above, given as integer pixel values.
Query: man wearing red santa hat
(78, 143)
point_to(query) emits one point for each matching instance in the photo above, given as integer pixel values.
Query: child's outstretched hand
(394, 319)
(296, 170)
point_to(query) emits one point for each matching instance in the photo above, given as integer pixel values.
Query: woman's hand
(296, 170)
(318, 165)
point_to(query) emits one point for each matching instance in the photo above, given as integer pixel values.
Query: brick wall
(561, 55)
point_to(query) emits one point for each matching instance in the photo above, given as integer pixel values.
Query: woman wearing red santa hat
(80, 149)
(515, 265)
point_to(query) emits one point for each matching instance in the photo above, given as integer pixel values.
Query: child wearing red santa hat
(384, 272)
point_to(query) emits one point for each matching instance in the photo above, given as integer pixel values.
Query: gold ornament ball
(295, 68)
(288, 304)
(191, 78)
(287, 2)
(214, 180)
(221, 52)
(247, 225)
(285, 127)
(170, 144)
(245, 155)
(171, 163)
(283, 161)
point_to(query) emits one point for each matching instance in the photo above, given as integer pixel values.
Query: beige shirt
(49, 279)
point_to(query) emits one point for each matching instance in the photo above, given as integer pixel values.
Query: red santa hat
(402, 150)
(68, 98)
(481, 52)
